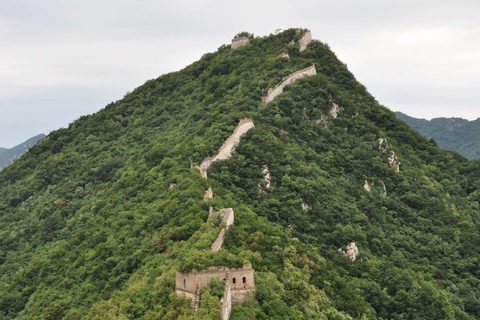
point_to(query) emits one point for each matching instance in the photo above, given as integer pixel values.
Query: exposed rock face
(352, 251)
(382, 144)
(368, 186)
(278, 89)
(384, 189)
(305, 40)
(267, 176)
(240, 42)
(208, 194)
(393, 162)
(228, 146)
(172, 185)
(283, 55)
(335, 110)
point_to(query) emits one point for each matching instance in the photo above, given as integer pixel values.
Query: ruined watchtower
(238, 283)
(240, 42)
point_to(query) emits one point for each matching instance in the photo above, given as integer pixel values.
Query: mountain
(455, 134)
(7, 156)
(262, 181)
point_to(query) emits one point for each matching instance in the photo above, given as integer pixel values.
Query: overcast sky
(63, 59)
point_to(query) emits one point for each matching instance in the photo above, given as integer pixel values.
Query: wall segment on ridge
(278, 89)
(228, 146)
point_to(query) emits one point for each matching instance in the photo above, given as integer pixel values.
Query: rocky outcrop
(278, 89)
(208, 194)
(352, 251)
(384, 189)
(283, 55)
(333, 112)
(393, 162)
(240, 42)
(266, 176)
(228, 146)
(382, 144)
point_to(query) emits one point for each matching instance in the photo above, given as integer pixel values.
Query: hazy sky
(63, 59)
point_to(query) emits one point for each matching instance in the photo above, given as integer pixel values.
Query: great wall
(278, 89)
(228, 146)
(238, 282)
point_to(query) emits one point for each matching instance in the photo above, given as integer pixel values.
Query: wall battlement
(240, 42)
(305, 40)
(278, 89)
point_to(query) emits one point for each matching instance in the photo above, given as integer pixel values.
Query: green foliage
(90, 229)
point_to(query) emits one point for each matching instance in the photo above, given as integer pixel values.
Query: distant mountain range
(7, 156)
(455, 134)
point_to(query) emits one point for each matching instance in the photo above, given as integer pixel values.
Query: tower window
(234, 280)
(244, 280)
(184, 283)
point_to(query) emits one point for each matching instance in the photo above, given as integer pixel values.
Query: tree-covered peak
(97, 218)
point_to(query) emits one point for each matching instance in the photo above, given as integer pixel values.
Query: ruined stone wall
(241, 281)
(305, 40)
(226, 302)
(228, 146)
(228, 216)
(219, 241)
(240, 42)
(274, 92)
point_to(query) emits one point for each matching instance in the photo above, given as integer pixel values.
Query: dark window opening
(244, 280)
(184, 283)
(234, 281)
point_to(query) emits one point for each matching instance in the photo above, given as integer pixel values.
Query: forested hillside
(96, 219)
(455, 134)
(7, 156)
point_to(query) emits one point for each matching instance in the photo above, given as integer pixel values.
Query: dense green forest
(455, 134)
(90, 229)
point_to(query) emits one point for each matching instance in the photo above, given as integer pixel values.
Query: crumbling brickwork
(240, 282)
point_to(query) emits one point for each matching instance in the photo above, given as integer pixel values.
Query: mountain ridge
(453, 133)
(7, 156)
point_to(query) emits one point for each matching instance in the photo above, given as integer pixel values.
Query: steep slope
(96, 220)
(7, 156)
(455, 134)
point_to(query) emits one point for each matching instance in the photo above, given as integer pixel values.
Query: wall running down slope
(228, 146)
(278, 89)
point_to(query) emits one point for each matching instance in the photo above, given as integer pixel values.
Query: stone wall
(278, 89)
(228, 216)
(240, 42)
(226, 301)
(228, 146)
(241, 282)
(305, 40)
